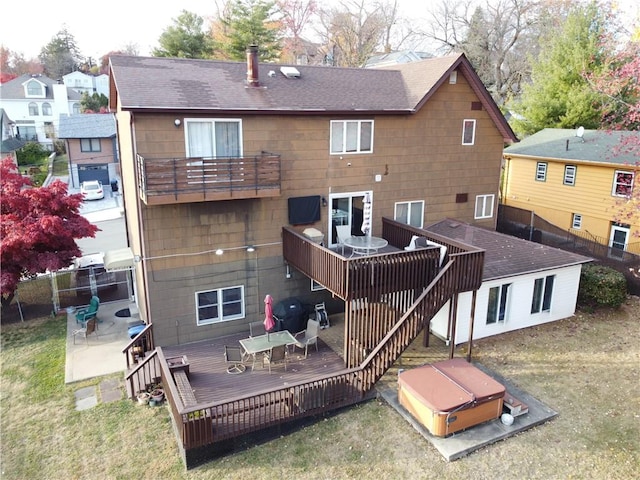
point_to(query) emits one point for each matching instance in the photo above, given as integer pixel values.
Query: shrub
(32, 154)
(601, 286)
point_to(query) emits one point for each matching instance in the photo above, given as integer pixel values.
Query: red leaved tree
(38, 228)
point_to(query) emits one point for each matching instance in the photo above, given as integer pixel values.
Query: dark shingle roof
(151, 83)
(598, 146)
(14, 89)
(506, 256)
(96, 125)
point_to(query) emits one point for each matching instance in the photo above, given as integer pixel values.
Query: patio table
(263, 343)
(365, 244)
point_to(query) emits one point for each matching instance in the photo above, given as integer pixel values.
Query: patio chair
(235, 358)
(256, 329)
(309, 336)
(342, 232)
(89, 312)
(90, 327)
(276, 355)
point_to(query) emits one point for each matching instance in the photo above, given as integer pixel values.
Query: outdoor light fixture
(324, 202)
(177, 122)
(219, 251)
(251, 249)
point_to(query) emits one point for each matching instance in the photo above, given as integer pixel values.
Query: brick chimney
(252, 66)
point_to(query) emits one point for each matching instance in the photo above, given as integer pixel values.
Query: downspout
(471, 323)
(454, 316)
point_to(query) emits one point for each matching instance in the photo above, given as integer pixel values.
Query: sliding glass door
(346, 209)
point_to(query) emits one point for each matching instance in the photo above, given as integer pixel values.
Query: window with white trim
(484, 206)
(90, 145)
(76, 108)
(46, 109)
(570, 174)
(468, 132)
(410, 213)
(498, 303)
(622, 183)
(576, 221)
(542, 292)
(33, 109)
(351, 136)
(34, 89)
(541, 172)
(221, 305)
(213, 137)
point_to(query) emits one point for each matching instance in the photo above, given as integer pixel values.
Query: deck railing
(171, 180)
(138, 347)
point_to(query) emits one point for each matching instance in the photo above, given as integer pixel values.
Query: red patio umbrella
(269, 322)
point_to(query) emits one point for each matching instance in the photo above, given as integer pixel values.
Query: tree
(559, 95)
(95, 103)
(245, 23)
(61, 55)
(497, 38)
(13, 64)
(38, 228)
(184, 39)
(356, 31)
(296, 15)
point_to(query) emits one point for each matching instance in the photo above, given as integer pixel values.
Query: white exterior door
(618, 240)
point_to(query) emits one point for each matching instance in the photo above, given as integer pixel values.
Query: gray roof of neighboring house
(170, 84)
(14, 89)
(506, 256)
(87, 125)
(598, 146)
(392, 58)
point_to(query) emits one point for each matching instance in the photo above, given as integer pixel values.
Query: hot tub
(449, 396)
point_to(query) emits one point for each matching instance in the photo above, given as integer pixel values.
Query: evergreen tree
(184, 39)
(250, 22)
(61, 55)
(559, 95)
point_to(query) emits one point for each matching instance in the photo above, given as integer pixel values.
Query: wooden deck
(211, 382)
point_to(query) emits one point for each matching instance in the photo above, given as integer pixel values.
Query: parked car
(93, 265)
(92, 190)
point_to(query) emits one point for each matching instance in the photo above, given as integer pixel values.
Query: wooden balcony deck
(186, 180)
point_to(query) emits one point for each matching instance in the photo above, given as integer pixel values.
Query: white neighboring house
(35, 103)
(523, 284)
(10, 144)
(81, 83)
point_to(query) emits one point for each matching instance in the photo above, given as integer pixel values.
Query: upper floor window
(541, 171)
(542, 291)
(484, 206)
(220, 305)
(622, 183)
(34, 89)
(27, 133)
(89, 144)
(497, 307)
(411, 213)
(213, 138)
(570, 174)
(468, 132)
(33, 109)
(351, 136)
(46, 109)
(76, 108)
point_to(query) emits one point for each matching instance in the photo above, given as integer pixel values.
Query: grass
(585, 367)
(61, 165)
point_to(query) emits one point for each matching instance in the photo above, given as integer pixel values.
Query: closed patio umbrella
(269, 322)
(366, 214)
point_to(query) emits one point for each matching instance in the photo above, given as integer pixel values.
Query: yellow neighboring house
(579, 180)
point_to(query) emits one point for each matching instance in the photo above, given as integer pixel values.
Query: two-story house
(35, 102)
(91, 145)
(215, 160)
(578, 180)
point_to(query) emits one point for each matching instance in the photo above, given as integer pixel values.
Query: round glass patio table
(365, 245)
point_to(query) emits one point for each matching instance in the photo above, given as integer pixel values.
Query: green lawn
(586, 368)
(61, 165)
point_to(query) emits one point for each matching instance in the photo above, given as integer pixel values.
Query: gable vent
(290, 72)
